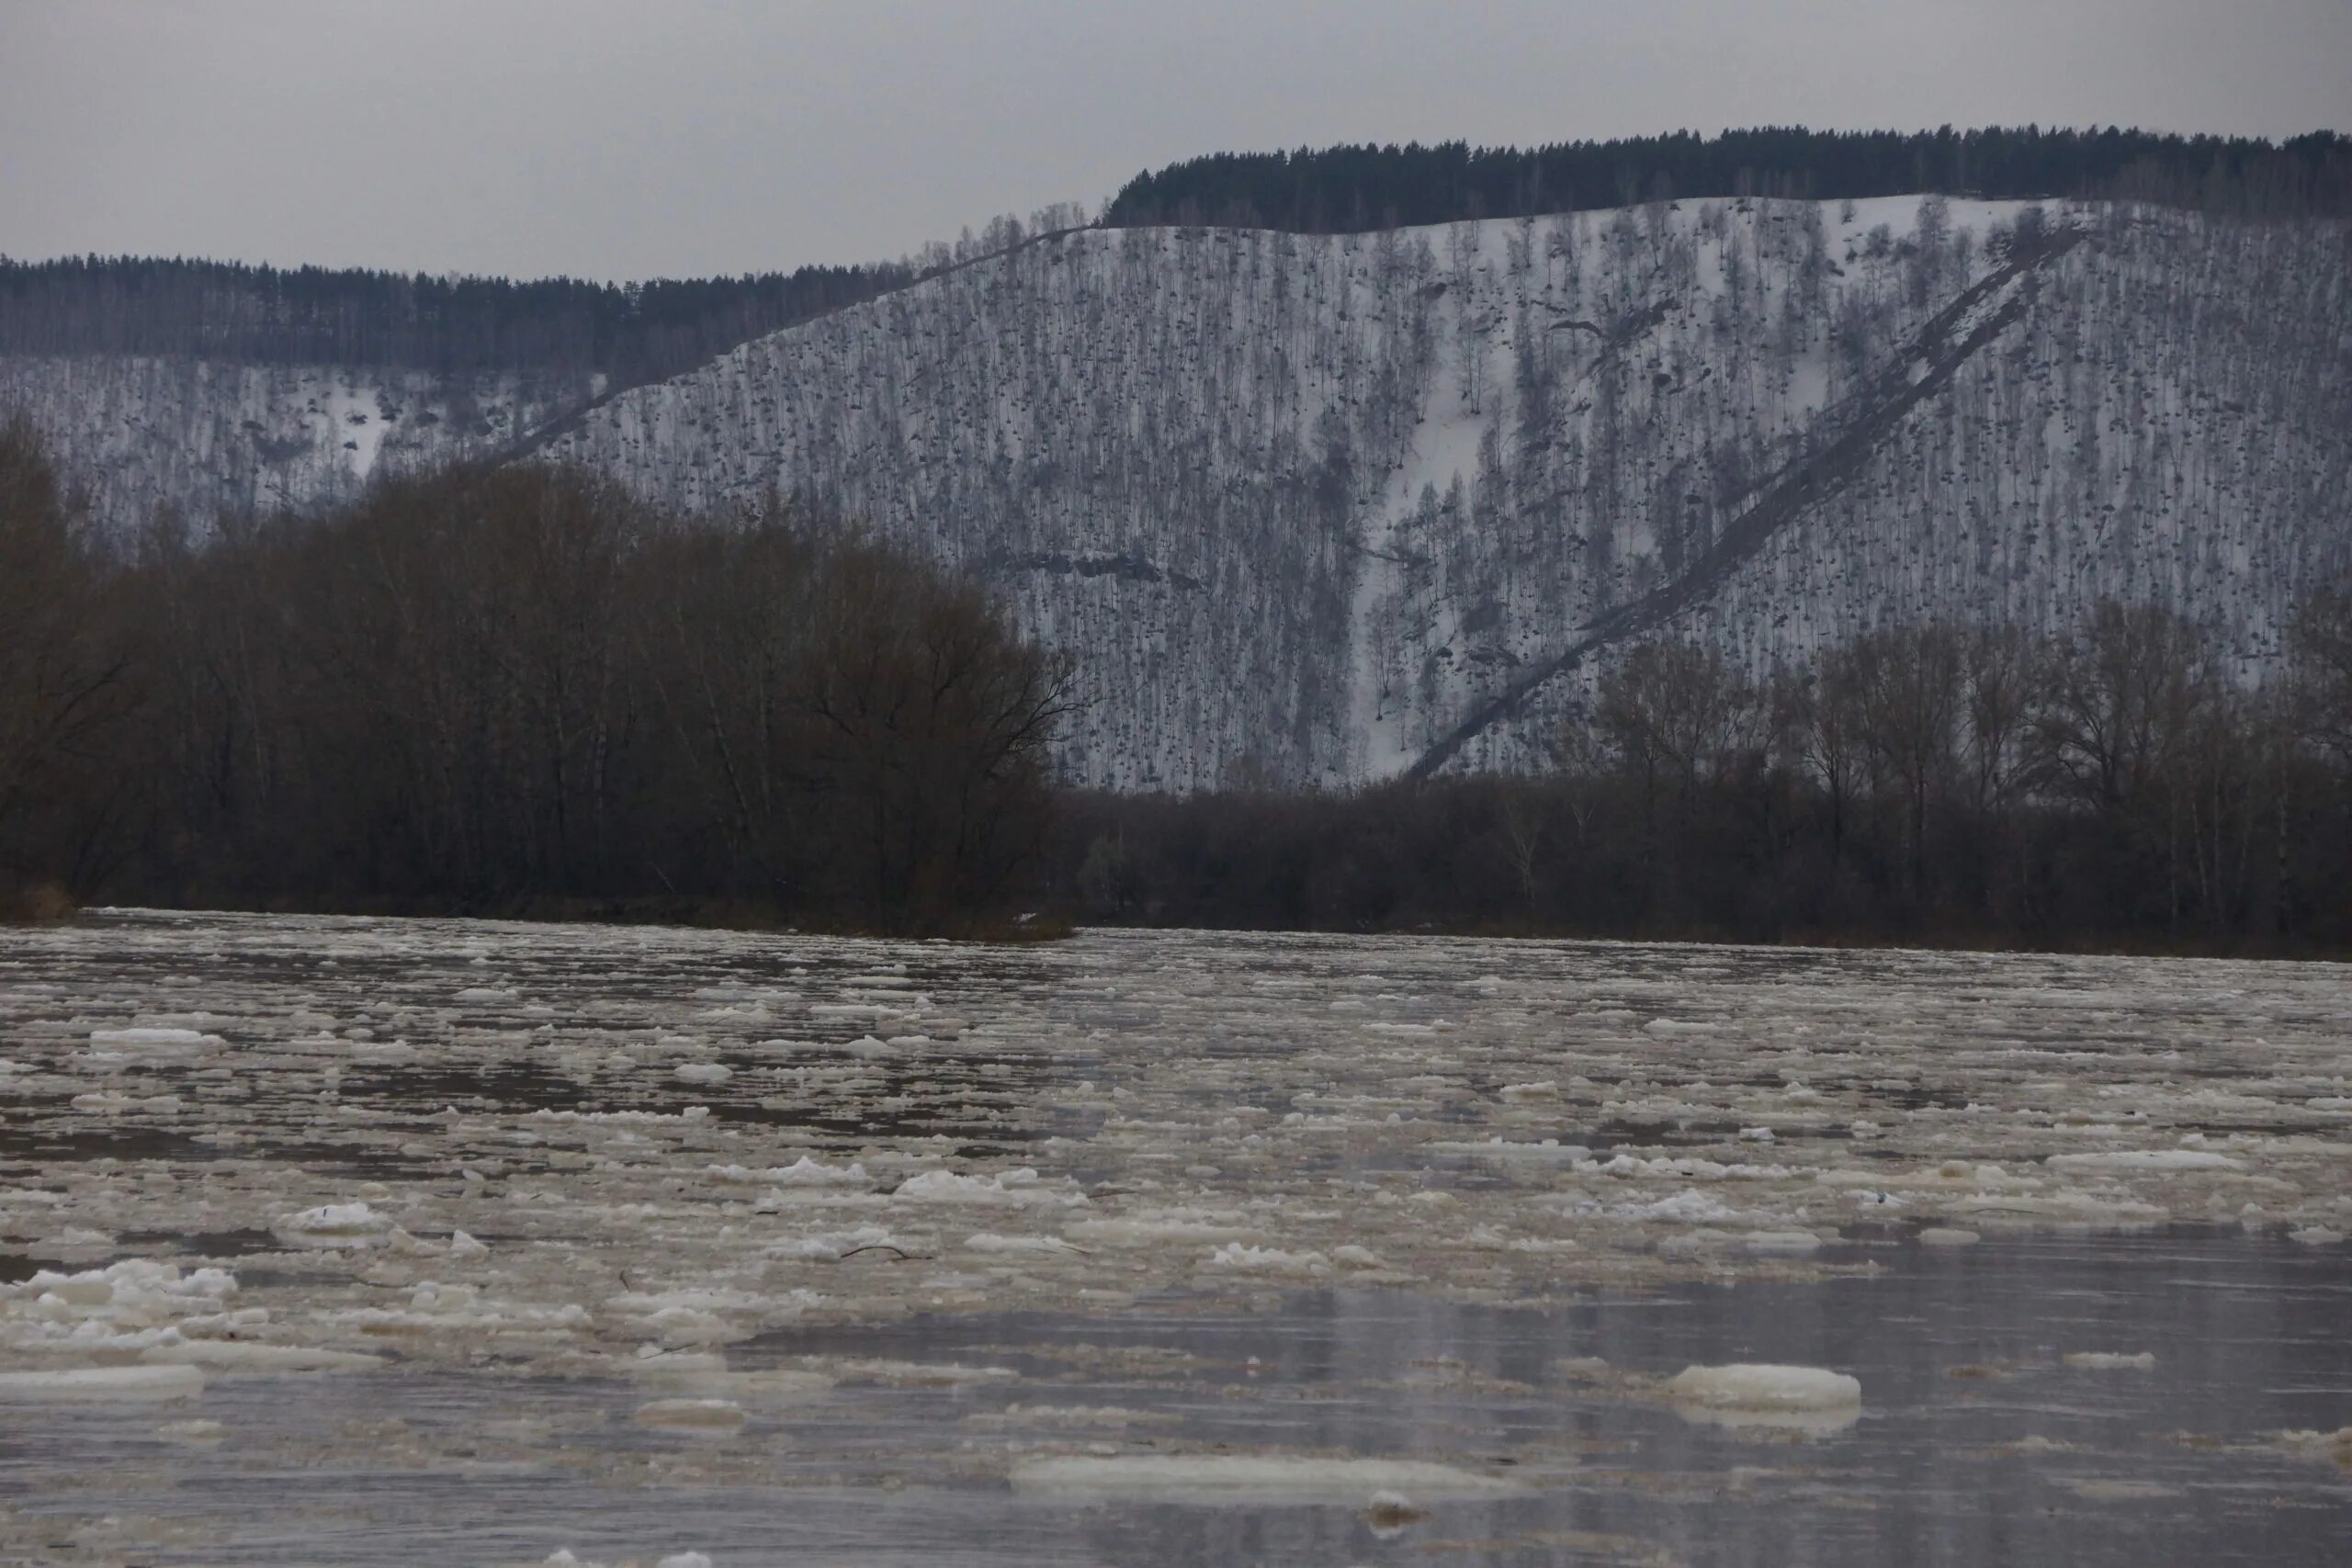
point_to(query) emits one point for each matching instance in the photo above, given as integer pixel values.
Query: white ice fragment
(250, 1356)
(684, 1559)
(2112, 1360)
(1016, 1189)
(1782, 1243)
(154, 1042)
(1241, 1258)
(109, 1100)
(133, 1297)
(703, 1072)
(987, 1241)
(463, 1246)
(1152, 1227)
(1761, 1389)
(808, 1172)
(1688, 1206)
(337, 1225)
(1549, 1151)
(102, 1382)
(2122, 1160)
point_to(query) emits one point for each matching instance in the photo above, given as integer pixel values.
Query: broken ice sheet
(409, 1199)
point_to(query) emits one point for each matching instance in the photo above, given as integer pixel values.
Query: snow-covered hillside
(1323, 509)
(207, 437)
(1317, 509)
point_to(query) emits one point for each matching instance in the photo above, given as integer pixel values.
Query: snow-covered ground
(720, 1177)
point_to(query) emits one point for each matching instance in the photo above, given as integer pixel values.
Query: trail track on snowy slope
(1842, 444)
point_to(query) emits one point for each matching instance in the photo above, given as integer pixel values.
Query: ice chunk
(703, 1072)
(111, 1100)
(1241, 1258)
(1766, 1393)
(337, 1225)
(133, 1297)
(102, 1382)
(154, 1042)
(2126, 1160)
(1781, 1243)
(251, 1356)
(1019, 1188)
(1151, 1227)
(986, 1241)
(2112, 1360)
(802, 1172)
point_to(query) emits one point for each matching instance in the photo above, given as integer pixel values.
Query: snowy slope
(1329, 508)
(207, 437)
(1304, 503)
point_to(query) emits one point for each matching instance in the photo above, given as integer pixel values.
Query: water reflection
(1978, 1442)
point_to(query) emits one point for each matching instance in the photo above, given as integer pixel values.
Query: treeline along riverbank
(520, 691)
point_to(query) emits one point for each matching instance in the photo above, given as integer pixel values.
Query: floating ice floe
(706, 1316)
(154, 1042)
(1243, 1258)
(82, 1383)
(108, 1102)
(802, 1172)
(335, 1225)
(986, 1241)
(831, 1247)
(126, 1305)
(2112, 1360)
(254, 1355)
(1017, 1188)
(1547, 1151)
(1763, 1395)
(2129, 1160)
(1149, 1228)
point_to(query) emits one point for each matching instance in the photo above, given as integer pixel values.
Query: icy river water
(385, 1242)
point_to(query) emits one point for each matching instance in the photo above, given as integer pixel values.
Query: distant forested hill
(1359, 188)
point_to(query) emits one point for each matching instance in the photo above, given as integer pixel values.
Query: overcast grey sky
(641, 137)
